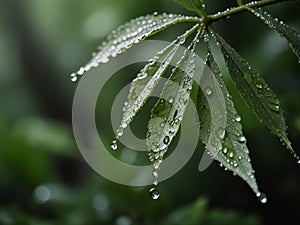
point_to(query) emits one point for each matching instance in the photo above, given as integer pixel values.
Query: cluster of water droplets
(147, 79)
(233, 154)
(173, 102)
(291, 36)
(128, 34)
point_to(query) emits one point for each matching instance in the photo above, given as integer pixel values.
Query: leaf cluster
(227, 144)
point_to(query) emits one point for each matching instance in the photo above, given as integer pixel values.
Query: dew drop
(124, 125)
(81, 71)
(114, 145)
(274, 107)
(154, 193)
(166, 140)
(262, 197)
(242, 139)
(231, 154)
(259, 85)
(119, 132)
(221, 133)
(73, 77)
(208, 91)
(155, 174)
(171, 99)
(225, 150)
(298, 162)
(238, 118)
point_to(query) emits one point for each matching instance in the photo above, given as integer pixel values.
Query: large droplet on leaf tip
(114, 145)
(262, 197)
(73, 77)
(154, 193)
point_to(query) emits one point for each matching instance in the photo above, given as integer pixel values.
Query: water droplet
(298, 161)
(155, 174)
(166, 140)
(231, 154)
(221, 133)
(259, 85)
(238, 118)
(156, 165)
(262, 197)
(81, 71)
(154, 193)
(171, 99)
(208, 91)
(73, 77)
(119, 132)
(124, 125)
(206, 38)
(242, 139)
(114, 145)
(225, 150)
(274, 107)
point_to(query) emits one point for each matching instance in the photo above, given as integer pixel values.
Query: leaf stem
(241, 8)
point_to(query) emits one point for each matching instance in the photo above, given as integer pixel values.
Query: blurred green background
(43, 178)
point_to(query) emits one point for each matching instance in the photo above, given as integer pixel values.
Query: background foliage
(44, 180)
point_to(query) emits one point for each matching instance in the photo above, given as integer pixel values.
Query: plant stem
(242, 8)
(229, 12)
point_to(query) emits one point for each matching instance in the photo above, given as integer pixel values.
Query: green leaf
(145, 82)
(255, 91)
(290, 35)
(168, 112)
(129, 34)
(234, 155)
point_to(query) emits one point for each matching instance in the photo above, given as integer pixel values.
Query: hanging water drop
(114, 145)
(154, 193)
(262, 198)
(73, 77)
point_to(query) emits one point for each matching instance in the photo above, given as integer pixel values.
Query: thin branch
(242, 8)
